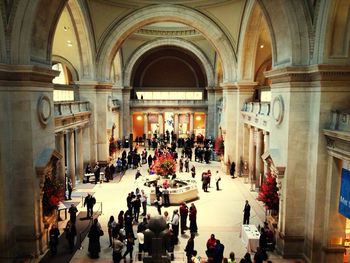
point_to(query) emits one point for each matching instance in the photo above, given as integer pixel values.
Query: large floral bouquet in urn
(269, 193)
(164, 165)
(52, 196)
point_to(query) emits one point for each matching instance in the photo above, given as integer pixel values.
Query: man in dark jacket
(218, 252)
(190, 247)
(89, 202)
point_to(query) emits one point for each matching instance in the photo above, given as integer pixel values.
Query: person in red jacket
(183, 216)
(211, 243)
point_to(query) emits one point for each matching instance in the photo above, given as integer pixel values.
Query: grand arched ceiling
(168, 67)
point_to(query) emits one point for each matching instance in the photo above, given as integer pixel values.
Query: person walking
(89, 202)
(190, 248)
(246, 213)
(232, 169)
(70, 188)
(71, 233)
(129, 247)
(73, 213)
(54, 234)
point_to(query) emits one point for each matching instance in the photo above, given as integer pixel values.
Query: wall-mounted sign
(344, 198)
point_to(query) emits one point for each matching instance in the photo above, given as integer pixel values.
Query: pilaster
(80, 154)
(71, 156)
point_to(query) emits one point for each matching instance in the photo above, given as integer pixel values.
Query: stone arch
(290, 27)
(332, 36)
(73, 71)
(85, 39)
(168, 42)
(114, 38)
(247, 47)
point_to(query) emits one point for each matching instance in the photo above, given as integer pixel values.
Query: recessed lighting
(198, 118)
(139, 118)
(261, 46)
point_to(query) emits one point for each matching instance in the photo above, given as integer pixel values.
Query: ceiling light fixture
(139, 118)
(261, 46)
(198, 118)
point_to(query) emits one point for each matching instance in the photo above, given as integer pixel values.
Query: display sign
(344, 198)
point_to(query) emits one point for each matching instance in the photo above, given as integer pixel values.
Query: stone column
(251, 161)
(229, 123)
(71, 156)
(145, 124)
(87, 92)
(125, 112)
(334, 223)
(191, 123)
(161, 123)
(80, 154)
(103, 91)
(266, 148)
(176, 124)
(210, 120)
(86, 145)
(259, 165)
(60, 148)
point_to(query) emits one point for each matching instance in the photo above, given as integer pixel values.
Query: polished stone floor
(219, 212)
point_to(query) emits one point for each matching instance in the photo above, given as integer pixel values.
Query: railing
(87, 228)
(178, 256)
(65, 108)
(258, 108)
(172, 103)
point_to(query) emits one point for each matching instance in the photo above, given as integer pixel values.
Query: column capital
(246, 86)
(266, 132)
(228, 86)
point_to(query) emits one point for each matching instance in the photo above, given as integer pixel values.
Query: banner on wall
(344, 198)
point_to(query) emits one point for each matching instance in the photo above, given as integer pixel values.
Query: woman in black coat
(94, 239)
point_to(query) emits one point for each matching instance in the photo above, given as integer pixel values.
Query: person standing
(187, 165)
(137, 206)
(73, 213)
(117, 249)
(193, 219)
(111, 225)
(143, 200)
(70, 188)
(218, 252)
(193, 171)
(166, 199)
(246, 213)
(97, 171)
(190, 248)
(94, 239)
(175, 226)
(233, 169)
(89, 202)
(211, 243)
(158, 203)
(54, 234)
(181, 164)
(71, 233)
(217, 179)
(183, 216)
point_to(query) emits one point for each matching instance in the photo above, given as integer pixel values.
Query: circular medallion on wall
(277, 109)
(44, 109)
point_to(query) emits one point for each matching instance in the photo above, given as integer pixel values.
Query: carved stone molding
(277, 110)
(44, 110)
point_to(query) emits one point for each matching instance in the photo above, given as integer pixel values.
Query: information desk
(87, 177)
(250, 237)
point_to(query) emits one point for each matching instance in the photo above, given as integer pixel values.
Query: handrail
(177, 256)
(97, 213)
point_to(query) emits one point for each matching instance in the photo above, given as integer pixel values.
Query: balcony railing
(257, 114)
(71, 114)
(169, 103)
(66, 108)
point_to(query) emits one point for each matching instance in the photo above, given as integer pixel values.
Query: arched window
(62, 90)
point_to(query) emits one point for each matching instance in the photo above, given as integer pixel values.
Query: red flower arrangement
(219, 146)
(164, 165)
(269, 193)
(53, 194)
(112, 146)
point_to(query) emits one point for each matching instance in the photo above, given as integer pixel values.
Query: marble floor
(219, 212)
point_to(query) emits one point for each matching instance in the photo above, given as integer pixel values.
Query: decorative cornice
(168, 32)
(309, 74)
(26, 73)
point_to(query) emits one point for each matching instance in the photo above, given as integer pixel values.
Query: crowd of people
(121, 229)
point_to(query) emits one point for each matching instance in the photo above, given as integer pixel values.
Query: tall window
(62, 91)
(170, 95)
